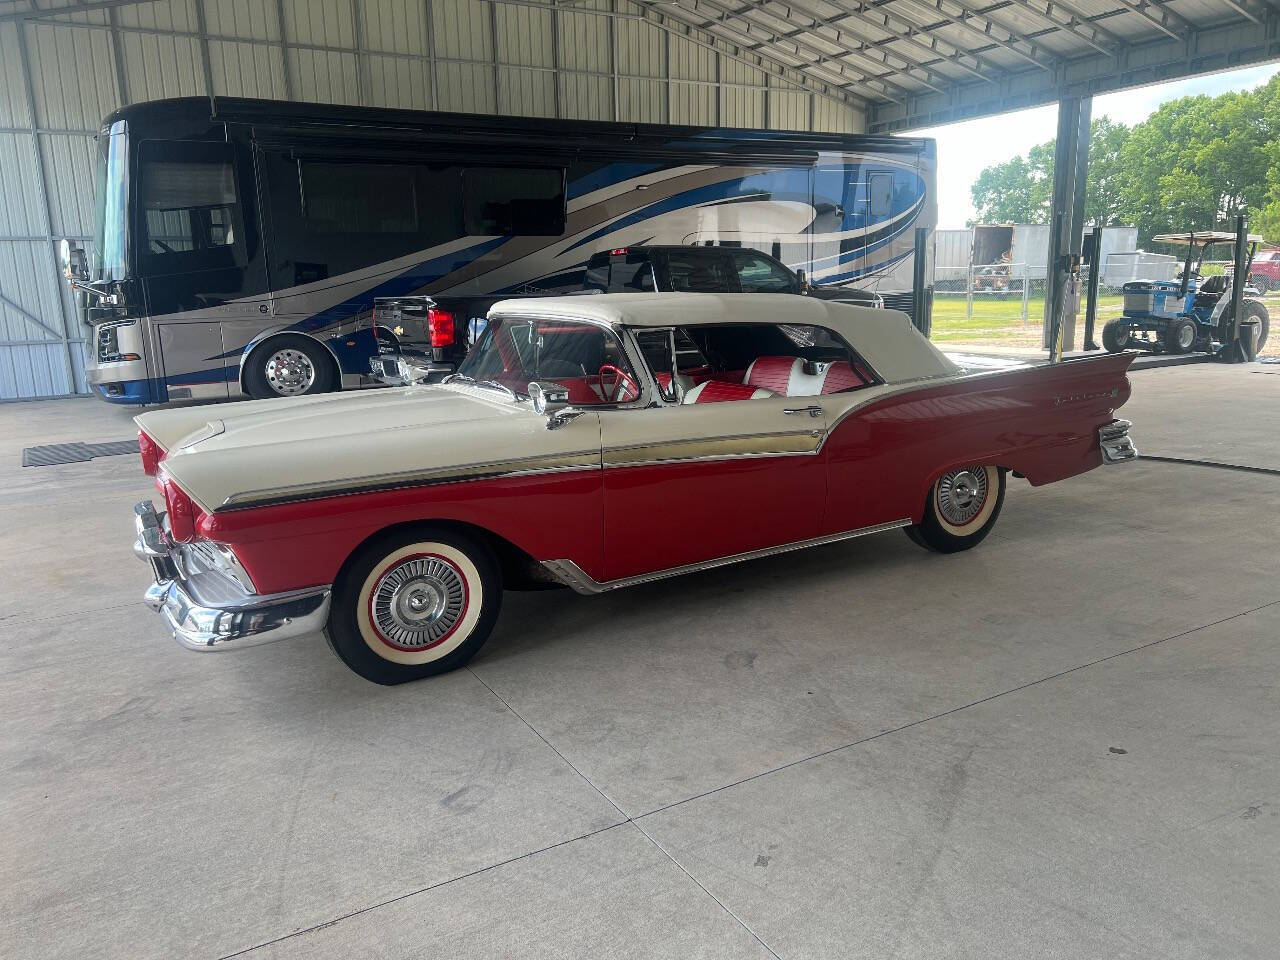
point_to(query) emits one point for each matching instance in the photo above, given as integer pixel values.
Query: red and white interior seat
(718, 391)
(788, 376)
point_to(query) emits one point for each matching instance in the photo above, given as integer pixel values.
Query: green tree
(1021, 190)
(1104, 202)
(1194, 164)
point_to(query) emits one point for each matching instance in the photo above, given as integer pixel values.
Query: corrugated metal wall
(61, 74)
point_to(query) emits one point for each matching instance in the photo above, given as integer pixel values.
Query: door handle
(811, 411)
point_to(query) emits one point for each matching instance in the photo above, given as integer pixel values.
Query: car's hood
(240, 454)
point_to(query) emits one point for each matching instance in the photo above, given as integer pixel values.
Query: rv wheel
(288, 367)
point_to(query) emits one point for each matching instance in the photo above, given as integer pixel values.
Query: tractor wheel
(1115, 335)
(1256, 311)
(1253, 310)
(1180, 335)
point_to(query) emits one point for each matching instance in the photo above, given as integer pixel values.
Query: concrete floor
(1062, 744)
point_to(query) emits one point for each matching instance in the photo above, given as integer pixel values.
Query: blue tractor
(1192, 313)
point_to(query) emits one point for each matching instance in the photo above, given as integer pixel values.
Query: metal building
(845, 65)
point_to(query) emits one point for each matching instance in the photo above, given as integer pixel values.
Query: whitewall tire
(962, 507)
(413, 604)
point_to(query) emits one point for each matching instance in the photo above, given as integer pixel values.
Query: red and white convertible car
(596, 442)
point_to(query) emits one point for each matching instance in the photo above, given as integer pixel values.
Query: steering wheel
(622, 381)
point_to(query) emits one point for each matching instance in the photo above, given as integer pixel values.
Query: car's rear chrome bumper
(209, 610)
(1117, 446)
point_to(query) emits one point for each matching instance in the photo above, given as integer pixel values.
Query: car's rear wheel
(1115, 336)
(962, 508)
(1262, 284)
(413, 604)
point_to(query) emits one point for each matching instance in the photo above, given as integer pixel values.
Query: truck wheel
(1180, 335)
(1115, 335)
(961, 510)
(288, 367)
(1262, 284)
(413, 604)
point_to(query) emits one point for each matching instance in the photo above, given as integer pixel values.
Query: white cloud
(964, 149)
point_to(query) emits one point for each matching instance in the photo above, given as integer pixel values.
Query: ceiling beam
(822, 59)
(1014, 42)
(914, 36)
(687, 30)
(847, 45)
(1070, 20)
(1160, 17)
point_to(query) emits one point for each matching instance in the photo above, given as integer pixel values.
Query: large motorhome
(241, 244)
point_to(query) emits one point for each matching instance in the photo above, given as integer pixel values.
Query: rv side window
(359, 197)
(190, 219)
(880, 194)
(519, 201)
(332, 215)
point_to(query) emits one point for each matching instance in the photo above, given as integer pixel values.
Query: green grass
(998, 320)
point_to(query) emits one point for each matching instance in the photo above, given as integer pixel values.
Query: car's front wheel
(414, 603)
(962, 508)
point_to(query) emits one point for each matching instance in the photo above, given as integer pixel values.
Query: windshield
(111, 191)
(586, 359)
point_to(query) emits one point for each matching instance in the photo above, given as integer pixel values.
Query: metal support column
(1095, 274)
(1070, 168)
(1232, 351)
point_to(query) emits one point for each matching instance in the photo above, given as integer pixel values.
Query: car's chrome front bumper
(1117, 446)
(206, 608)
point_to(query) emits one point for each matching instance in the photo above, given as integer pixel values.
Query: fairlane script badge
(1081, 397)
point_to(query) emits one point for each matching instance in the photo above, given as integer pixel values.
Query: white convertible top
(886, 339)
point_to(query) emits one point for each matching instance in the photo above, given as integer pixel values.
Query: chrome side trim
(571, 575)
(521, 467)
(1116, 444)
(715, 448)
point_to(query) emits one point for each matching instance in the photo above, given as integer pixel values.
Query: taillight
(151, 454)
(440, 327)
(183, 512)
(618, 252)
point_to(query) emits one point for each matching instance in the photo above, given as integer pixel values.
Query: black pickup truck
(685, 269)
(425, 338)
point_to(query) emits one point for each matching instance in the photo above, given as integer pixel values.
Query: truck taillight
(151, 452)
(440, 327)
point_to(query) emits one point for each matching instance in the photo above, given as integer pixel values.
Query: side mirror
(803, 281)
(75, 265)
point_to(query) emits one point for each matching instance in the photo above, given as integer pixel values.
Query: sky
(964, 149)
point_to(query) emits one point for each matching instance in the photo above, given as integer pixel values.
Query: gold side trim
(571, 575)
(521, 467)
(668, 451)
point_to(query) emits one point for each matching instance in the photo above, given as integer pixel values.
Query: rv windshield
(111, 193)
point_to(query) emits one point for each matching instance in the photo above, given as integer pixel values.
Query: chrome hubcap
(417, 603)
(961, 495)
(289, 372)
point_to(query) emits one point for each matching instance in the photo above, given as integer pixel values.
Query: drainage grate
(47, 456)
